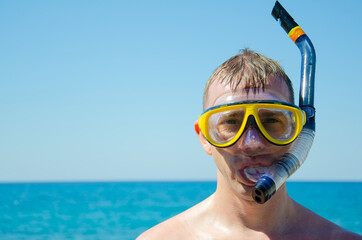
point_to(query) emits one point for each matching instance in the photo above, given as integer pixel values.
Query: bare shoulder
(313, 226)
(180, 226)
(172, 228)
(345, 235)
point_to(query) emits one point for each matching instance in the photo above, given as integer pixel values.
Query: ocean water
(123, 210)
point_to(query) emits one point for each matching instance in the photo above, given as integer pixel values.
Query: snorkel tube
(278, 173)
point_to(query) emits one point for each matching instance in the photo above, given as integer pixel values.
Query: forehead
(220, 93)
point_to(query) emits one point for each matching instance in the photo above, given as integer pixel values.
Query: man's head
(248, 77)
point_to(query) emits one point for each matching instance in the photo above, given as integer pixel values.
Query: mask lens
(223, 126)
(279, 124)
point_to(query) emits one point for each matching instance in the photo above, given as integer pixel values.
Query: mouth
(254, 173)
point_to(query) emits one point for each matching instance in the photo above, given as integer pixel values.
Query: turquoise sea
(123, 210)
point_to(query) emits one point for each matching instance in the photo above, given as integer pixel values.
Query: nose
(252, 137)
(251, 142)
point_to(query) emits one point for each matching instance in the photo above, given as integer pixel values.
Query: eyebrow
(233, 114)
(268, 113)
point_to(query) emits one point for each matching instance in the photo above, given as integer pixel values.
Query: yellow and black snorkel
(278, 173)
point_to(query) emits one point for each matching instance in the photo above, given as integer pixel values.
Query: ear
(204, 143)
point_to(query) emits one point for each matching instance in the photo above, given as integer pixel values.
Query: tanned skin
(231, 213)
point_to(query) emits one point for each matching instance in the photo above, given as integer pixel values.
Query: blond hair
(248, 70)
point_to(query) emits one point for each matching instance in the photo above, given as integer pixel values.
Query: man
(248, 122)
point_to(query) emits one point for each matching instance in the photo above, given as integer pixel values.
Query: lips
(253, 173)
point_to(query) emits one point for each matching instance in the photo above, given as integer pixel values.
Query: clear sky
(110, 90)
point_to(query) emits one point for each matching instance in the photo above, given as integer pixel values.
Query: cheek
(284, 149)
(278, 151)
(218, 158)
(221, 160)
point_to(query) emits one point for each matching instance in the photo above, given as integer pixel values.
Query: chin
(244, 190)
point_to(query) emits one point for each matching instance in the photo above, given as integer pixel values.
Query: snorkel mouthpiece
(278, 173)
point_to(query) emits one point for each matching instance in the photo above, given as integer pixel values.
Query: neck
(241, 211)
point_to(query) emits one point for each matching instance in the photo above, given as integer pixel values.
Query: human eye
(271, 120)
(234, 118)
(229, 124)
(230, 121)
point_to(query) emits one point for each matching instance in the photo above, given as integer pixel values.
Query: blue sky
(109, 90)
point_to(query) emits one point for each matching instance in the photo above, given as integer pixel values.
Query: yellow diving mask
(279, 122)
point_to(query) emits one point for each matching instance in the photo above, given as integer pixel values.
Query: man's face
(244, 162)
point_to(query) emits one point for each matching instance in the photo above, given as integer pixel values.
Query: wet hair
(248, 70)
